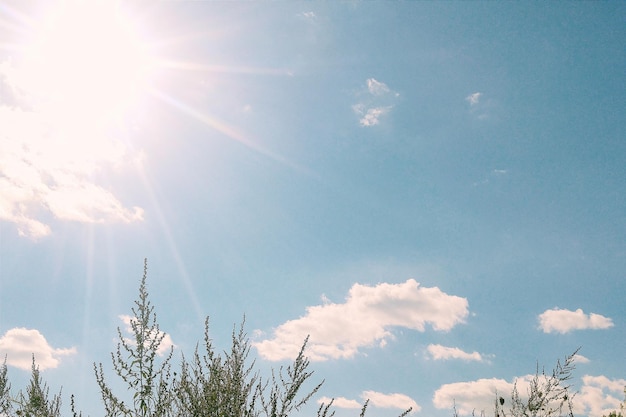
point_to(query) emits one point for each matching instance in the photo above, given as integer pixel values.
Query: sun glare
(85, 63)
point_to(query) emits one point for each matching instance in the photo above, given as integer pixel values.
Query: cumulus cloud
(439, 352)
(599, 396)
(376, 399)
(364, 319)
(564, 321)
(472, 396)
(47, 165)
(376, 101)
(166, 343)
(20, 344)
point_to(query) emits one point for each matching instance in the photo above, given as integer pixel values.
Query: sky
(433, 192)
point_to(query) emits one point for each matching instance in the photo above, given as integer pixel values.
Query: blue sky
(434, 192)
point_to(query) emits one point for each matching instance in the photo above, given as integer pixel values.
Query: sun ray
(173, 247)
(229, 69)
(229, 131)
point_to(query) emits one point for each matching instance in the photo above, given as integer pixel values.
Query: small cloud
(19, 345)
(474, 98)
(377, 88)
(396, 400)
(372, 116)
(580, 359)
(308, 15)
(439, 352)
(564, 321)
(376, 399)
(364, 320)
(166, 344)
(340, 402)
(377, 100)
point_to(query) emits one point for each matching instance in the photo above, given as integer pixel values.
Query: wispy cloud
(376, 101)
(474, 98)
(564, 321)
(47, 166)
(480, 106)
(364, 319)
(439, 352)
(308, 15)
(20, 344)
(371, 116)
(376, 399)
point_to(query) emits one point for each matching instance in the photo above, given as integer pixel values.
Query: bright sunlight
(86, 63)
(76, 73)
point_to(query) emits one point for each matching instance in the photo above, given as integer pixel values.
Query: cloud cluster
(439, 352)
(376, 399)
(364, 319)
(20, 344)
(564, 321)
(378, 100)
(47, 164)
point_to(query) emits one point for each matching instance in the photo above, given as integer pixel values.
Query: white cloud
(580, 359)
(47, 163)
(564, 321)
(377, 88)
(473, 98)
(20, 344)
(471, 396)
(340, 330)
(476, 397)
(376, 399)
(166, 343)
(439, 352)
(340, 402)
(371, 117)
(599, 396)
(396, 400)
(376, 101)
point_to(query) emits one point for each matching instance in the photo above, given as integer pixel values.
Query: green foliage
(5, 390)
(208, 385)
(135, 362)
(215, 385)
(548, 394)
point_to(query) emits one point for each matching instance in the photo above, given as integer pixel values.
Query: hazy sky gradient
(435, 192)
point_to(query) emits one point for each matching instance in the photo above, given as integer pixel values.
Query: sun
(85, 63)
